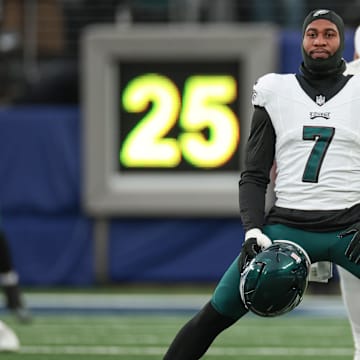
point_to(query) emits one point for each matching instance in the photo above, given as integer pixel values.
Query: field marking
(318, 305)
(158, 351)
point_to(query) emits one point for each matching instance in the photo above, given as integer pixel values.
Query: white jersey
(317, 143)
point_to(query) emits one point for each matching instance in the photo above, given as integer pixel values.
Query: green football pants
(319, 246)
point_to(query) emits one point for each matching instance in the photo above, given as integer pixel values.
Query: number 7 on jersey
(322, 136)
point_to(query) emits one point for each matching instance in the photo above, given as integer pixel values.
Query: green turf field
(145, 337)
(139, 325)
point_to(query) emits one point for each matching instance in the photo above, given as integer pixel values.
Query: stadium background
(41, 159)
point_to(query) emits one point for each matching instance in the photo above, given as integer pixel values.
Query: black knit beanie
(334, 61)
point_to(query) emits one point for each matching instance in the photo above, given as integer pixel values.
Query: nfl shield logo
(320, 100)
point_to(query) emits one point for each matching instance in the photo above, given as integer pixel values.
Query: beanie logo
(320, 13)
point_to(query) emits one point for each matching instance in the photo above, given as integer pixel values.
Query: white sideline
(216, 351)
(314, 305)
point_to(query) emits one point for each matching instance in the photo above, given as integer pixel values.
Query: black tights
(193, 340)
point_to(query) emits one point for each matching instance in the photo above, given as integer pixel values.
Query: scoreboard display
(166, 114)
(179, 116)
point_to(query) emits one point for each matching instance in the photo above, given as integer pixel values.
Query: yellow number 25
(203, 106)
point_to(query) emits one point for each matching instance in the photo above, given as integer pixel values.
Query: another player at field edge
(9, 281)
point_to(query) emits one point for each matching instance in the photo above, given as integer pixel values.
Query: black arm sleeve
(260, 151)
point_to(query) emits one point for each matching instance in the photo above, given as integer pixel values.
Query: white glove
(255, 242)
(261, 239)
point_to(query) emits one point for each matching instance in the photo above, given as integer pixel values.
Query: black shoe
(15, 305)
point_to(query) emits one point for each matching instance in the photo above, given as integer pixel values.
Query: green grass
(146, 337)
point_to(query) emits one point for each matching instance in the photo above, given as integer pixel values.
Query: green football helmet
(274, 281)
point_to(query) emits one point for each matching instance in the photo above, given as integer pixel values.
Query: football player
(307, 124)
(9, 280)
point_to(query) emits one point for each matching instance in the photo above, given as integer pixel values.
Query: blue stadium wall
(52, 239)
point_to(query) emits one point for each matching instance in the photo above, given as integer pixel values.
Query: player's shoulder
(274, 80)
(270, 86)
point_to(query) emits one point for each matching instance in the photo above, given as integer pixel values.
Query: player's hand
(353, 249)
(255, 242)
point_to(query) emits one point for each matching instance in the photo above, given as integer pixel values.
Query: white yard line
(215, 351)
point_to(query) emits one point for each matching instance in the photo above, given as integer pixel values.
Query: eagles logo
(320, 13)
